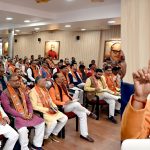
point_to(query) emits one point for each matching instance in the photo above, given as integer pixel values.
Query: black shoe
(54, 138)
(36, 148)
(117, 111)
(92, 115)
(113, 120)
(87, 138)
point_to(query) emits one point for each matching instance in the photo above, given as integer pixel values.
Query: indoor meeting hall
(74, 74)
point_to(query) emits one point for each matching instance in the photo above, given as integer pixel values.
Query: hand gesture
(30, 116)
(141, 80)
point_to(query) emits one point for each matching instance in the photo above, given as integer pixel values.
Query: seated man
(42, 102)
(60, 97)
(7, 131)
(74, 77)
(110, 81)
(3, 79)
(32, 72)
(73, 90)
(97, 85)
(136, 117)
(17, 104)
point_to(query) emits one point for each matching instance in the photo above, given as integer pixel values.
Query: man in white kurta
(54, 119)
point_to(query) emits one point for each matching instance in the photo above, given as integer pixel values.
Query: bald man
(116, 58)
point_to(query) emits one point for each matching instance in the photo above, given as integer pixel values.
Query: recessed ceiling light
(68, 26)
(69, 0)
(111, 21)
(9, 18)
(83, 29)
(17, 30)
(36, 28)
(27, 21)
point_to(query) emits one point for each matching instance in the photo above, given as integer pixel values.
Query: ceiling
(56, 13)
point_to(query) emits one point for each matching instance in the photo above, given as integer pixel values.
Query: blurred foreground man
(136, 117)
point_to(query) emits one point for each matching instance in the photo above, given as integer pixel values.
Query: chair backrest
(127, 90)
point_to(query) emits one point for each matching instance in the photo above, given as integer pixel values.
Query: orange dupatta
(44, 98)
(59, 93)
(73, 74)
(12, 68)
(20, 107)
(1, 116)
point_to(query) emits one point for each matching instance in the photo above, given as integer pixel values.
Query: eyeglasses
(116, 51)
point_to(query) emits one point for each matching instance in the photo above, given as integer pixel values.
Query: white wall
(135, 32)
(85, 49)
(90, 46)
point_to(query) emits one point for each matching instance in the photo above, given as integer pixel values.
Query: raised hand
(141, 80)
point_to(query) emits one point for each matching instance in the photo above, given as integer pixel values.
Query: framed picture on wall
(107, 47)
(52, 49)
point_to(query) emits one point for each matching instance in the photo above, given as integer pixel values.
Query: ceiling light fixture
(83, 29)
(69, 0)
(17, 30)
(68, 26)
(36, 28)
(27, 21)
(9, 18)
(111, 21)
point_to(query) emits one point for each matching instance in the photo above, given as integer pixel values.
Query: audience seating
(96, 103)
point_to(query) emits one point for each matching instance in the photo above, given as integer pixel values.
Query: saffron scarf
(46, 99)
(73, 74)
(59, 91)
(21, 107)
(11, 68)
(1, 116)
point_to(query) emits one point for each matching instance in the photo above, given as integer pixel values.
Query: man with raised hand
(136, 117)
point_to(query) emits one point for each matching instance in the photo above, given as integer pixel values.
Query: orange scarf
(35, 71)
(73, 74)
(12, 68)
(45, 98)
(110, 82)
(80, 73)
(21, 107)
(1, 116)
(59, 92)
